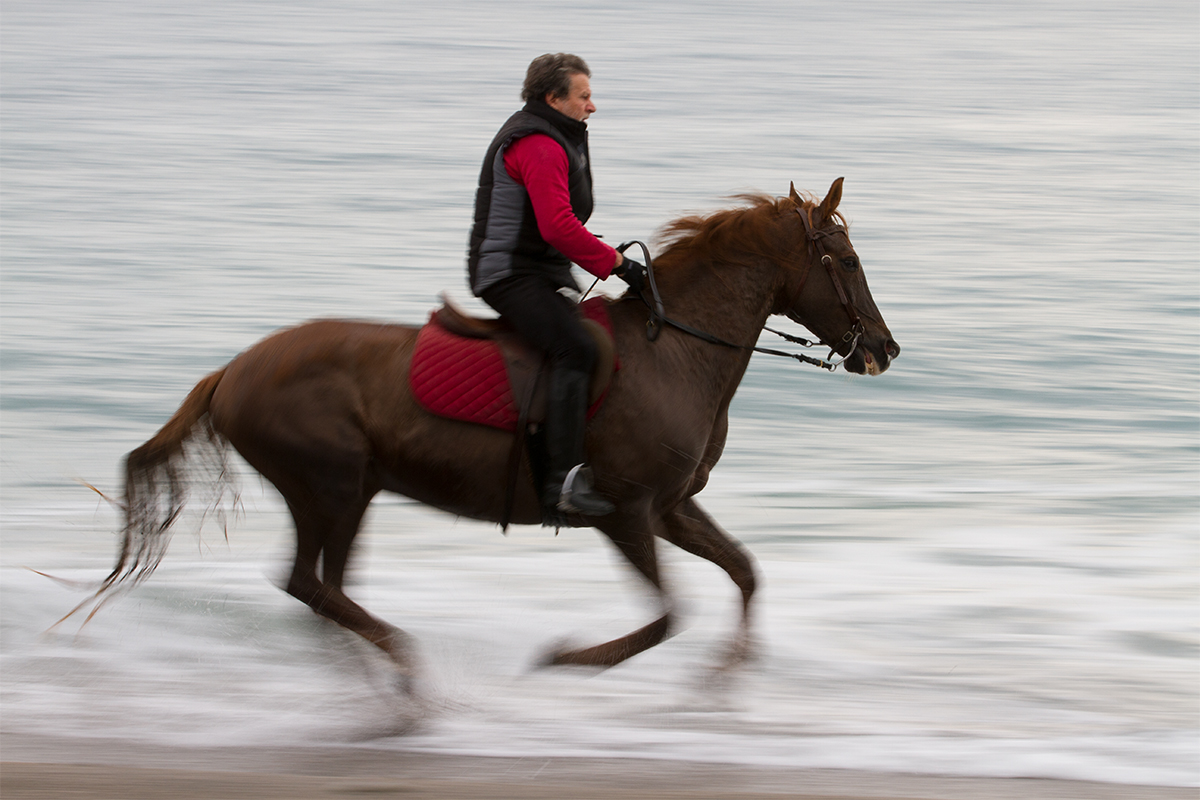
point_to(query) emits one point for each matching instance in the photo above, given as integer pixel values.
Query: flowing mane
(732, 233)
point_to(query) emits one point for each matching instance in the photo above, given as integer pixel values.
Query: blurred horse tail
(185, 452)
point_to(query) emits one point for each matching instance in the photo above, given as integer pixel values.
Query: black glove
(632, 273)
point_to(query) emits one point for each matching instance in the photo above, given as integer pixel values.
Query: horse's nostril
(892, 348)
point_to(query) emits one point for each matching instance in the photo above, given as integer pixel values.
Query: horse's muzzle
(872, 360)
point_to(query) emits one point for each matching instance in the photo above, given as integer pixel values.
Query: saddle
(479, 370)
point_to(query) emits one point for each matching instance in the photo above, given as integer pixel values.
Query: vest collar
(574, 130)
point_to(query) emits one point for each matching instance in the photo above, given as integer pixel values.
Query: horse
(324, 412)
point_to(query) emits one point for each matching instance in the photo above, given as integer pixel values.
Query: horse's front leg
(689, 527)
(634, 535)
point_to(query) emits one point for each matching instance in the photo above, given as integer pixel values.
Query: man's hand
(632, 273)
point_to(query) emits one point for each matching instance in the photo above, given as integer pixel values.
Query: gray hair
(550, 74)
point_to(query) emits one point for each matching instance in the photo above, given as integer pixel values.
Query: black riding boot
(569, 482)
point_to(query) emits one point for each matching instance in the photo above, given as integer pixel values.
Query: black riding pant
(544, 318)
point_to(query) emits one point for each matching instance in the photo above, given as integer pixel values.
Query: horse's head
(826, 291)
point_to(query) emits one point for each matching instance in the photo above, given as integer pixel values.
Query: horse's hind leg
(636, 543)
(689, 527)
(328, 536)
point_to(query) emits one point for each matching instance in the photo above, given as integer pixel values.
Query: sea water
(981, 563)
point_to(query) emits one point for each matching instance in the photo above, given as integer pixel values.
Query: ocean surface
(984, 562)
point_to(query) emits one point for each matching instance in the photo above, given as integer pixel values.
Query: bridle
(815, 239)
(659, 319)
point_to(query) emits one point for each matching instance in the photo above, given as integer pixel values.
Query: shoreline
(34, 767)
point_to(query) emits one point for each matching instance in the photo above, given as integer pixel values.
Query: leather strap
(518, 448)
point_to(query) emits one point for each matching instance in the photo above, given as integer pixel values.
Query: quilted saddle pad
(467, 379)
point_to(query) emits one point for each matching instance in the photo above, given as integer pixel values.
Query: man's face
(578, 102)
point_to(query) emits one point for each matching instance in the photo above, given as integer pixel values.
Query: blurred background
(981, 563)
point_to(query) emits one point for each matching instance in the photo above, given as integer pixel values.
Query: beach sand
(41, 768)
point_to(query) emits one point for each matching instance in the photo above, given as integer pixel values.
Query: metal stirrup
(564, 496)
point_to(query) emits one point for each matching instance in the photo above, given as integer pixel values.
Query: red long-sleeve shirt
(539, 163)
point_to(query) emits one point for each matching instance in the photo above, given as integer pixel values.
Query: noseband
(658, 317)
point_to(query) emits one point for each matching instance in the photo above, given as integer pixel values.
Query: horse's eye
(850, 263)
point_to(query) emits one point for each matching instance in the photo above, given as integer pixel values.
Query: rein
(659, 319)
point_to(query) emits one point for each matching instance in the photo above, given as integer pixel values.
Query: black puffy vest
(504, 239)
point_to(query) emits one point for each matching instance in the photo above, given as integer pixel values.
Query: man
(534, 196)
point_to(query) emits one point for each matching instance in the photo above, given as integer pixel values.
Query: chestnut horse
(323, 411)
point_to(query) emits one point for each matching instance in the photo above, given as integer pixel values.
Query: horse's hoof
(400, 648)
(553, 656)
(742, 650)
(406, 684)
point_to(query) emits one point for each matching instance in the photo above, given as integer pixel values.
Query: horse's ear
(792, 193)
(830, 203)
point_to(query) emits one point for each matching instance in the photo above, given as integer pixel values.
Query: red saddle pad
(466, 379)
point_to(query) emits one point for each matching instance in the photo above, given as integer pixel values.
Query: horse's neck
(732, 303)
(729, 303)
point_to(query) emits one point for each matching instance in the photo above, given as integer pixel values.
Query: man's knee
(579, 353)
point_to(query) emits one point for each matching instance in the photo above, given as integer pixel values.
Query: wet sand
(41, 768)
